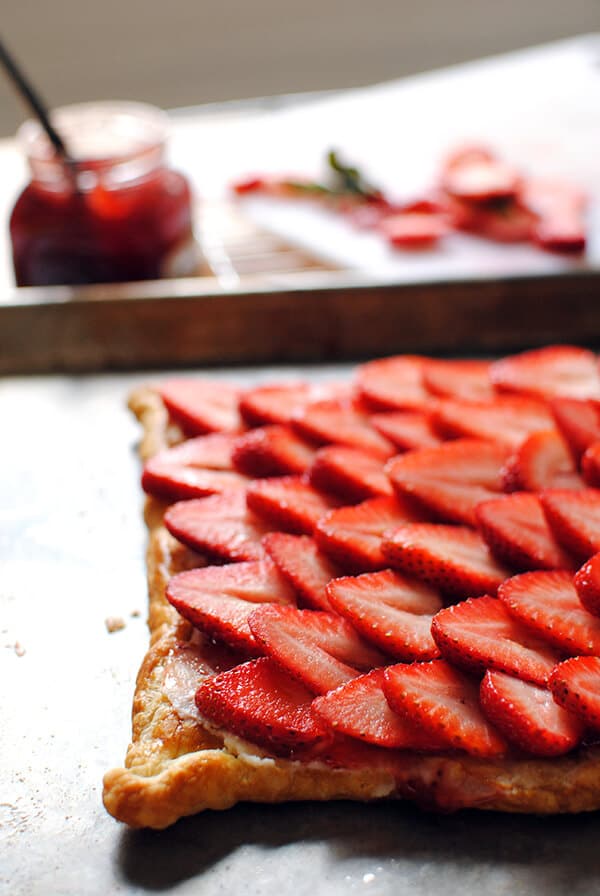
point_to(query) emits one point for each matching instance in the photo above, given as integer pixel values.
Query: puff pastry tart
(382, 589)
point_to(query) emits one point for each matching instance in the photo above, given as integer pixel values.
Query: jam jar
(115, 212)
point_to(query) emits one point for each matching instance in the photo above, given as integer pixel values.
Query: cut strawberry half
(574, 517)
(563, 231)
(480, 634)
(219, 599)
(220, 526)
(407, 430)
(414, 230)
(548, 604)
(352, 536)
(271, 451)
(464, 380)
(321, 649)
(303, 565)
(444, 703)
(575, 685)
(350, 474)
(587, 584)
(452, 558)
(473, 178)
(507, 421)
(273, 404)
(516, 531)
(502, 220)
(288, 503)
(590, 465)
(528, 717)
(578, 420)
(543, 461)
(391, 611)
(202, 406)
(330, 422)
(194, 469)
(359, 709)
(547, 372)
(451, 479)
(263, 704)
(393, 383)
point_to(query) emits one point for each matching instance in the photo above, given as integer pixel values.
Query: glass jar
(117, 213)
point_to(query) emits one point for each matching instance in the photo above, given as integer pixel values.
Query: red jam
(117, 214)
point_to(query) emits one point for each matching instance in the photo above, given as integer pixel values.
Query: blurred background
(187, 52)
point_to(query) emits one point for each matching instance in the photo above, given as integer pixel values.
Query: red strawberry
(348, 473)
(393, 383)
(288, 503)
(590, 465)
(528, 716)
(390, 610)
(547, 372)
(413, 230)
(452, 558)
(407, 430)
(219, 599)
(464, 380)
(193, 469)
(480, 634)
(516, 531)
(220, 526)
(575, 685)
(504, 220)
(263, 704)
(574, 517)
(564, 231)
(445, 704)
(504, 420)
(548, 604)
(273, 404)
(202, 406)
(544, 461)
(451, 479)
(329, 422)
(473, 178)
(352, 536)
(359, 709)
(587, 584)
(303, 565)
(578, 421)
(321, 649)
(271, 451)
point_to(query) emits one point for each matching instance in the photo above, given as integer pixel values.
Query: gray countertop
(72, 543)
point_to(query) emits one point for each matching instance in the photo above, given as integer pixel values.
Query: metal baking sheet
(72, 544)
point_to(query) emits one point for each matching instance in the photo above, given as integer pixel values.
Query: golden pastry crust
(176, 766)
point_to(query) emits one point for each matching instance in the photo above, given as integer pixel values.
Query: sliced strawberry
(547, 372)
(473, 178)
(321, 649)
(288, 503)
(303, 565)
(451, 479)
(507, 421)
(393, 383)
(406, 430)
(548, 604)
(452, 558)
(359, 709)
(414, 230)
(219, 599)
(563, 231)
(445, 704)
(480, 634)
(352, 536)
(578, 420)
(575, 685)
(389, 610)
(220, 526)
(193, 469)
(271, 451)
(590, 465)
(273, 404)
(527, 715)
(263, 704)
(587, 583)
(464, 380)
(516, 531)
(544, 461)
(574, 517)
(329, 423)
(202, 406)
(502, 220)
(348, 473)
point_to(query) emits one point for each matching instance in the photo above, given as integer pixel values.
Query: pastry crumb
(114, 624)
(135, 614)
